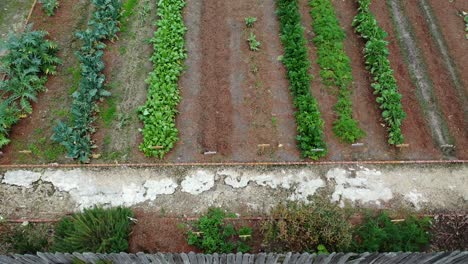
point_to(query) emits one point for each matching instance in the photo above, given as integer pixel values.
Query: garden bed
(235, 104)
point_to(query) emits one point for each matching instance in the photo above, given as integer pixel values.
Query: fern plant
(49, 6)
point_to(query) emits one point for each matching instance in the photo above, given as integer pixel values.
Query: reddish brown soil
(227, 106)
(230, 108)
(415, 128)
(154, 233)
(447, 14)
(68, 18)
(444, 87)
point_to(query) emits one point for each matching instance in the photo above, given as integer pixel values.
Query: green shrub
(159, 112)
(27, 239)
(250, 21)
(29, 59)
(380, 234)
(376, 54)
(76, 136)
(95, 230)
(335, 66)
(49, 6)
(299, 227)
(254, 44)
(214, 235)
(310, 138)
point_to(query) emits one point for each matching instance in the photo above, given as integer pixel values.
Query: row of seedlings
(335, 67)
(159, 112)
(76, 136)
(309, 122)
(29, 58)
(384, 83)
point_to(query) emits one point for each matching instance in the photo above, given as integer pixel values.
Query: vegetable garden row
(32, 57)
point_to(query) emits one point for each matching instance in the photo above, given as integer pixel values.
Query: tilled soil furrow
(416, 64)
(215, 121)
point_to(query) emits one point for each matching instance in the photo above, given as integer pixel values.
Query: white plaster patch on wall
(87, 188)
(199, 181)
(415, 198)
(366, 187)
(234, 178)
(158, 187)
(306, 189)
(21, 178)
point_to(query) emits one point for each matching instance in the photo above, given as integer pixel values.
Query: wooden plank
(153, 258)
(177, 259)
(251, 259)
(209, 259)
(302, 258)
(344, 258)
(239, 258)
(260, 259)
(287, 257)
(328, 258)
(184, 258)
(272, 258)
(192, 258)
(8, 260)
(294, 258)
(231, 258)
(245, 258)
(162, 258)
(223, 259)
(201, 259)
(170, 258)
(215, 258)
(142, 258)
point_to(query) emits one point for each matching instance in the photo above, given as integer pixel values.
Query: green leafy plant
(76, 137)
(214, 235)
(308, 118)
(159, 112)
(380, 234)
(250, 21)
(299, 227)
(335, 66)
(254, 44)
(49, 6)
(95, 230)
(29, 59)
(377, 63)
(26, 239)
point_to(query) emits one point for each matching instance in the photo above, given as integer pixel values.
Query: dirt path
(425, 88)
(442, 72)
(127, 67)
(31, 136)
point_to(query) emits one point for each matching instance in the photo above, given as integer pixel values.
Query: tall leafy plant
(335, 66)
(159, 112)
(49, 6)
(76, 136)
(29, 59)
(377, 63)
(308, 118)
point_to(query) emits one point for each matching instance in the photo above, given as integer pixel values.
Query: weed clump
(95, 230)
